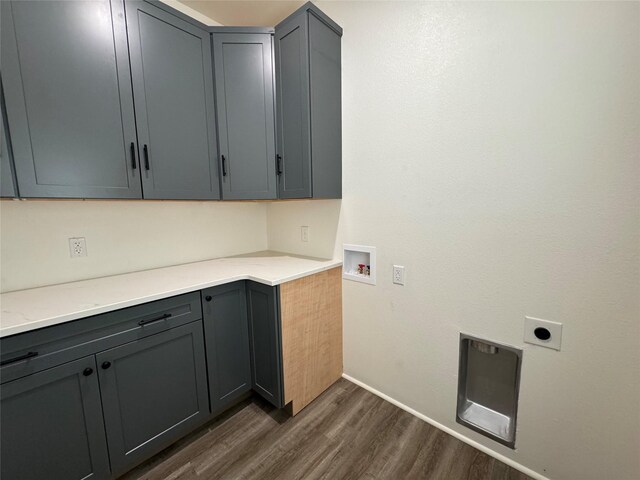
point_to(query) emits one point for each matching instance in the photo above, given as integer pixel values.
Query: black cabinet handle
(87, 371)
(208, 298)
(133, 156)
(18, 358)
(224, 166)
(145, 149)
(142, 323)
(105, 365)
(279, 164)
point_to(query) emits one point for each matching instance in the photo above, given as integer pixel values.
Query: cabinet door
(7, 178)
(244, 94)
(154, 391)
(173, 86)
(265, 344)
(293, 124)
(52, 425)
(227, 341)
(326, 109)
(65, 70)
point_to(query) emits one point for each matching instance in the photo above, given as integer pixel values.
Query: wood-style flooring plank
(347, 433)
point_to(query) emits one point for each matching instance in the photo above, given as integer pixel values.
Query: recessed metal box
(488, 386)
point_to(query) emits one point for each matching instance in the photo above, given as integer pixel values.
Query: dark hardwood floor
(347, 433)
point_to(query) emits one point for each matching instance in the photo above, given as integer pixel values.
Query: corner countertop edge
(26, 310)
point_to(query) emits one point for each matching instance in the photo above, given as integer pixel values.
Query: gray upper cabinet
(227, 341)
(292, 82)
(244, 94)
(154, 391)
(173, 90)
(65, 72)
(52, 425)
(106, 99)
(308, 105)
(7, 177)
(325, 105)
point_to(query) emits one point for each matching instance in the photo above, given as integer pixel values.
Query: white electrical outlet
(304, 233)
(78, 247)
(398, 274)
(542, 332)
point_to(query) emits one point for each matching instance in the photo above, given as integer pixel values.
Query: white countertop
(25, 310)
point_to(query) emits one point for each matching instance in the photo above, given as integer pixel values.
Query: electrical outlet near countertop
(398, 274)
(77, 247)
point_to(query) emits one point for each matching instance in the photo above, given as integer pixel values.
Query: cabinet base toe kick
(108, 392)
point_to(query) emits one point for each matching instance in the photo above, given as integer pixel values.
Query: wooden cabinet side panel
(311, 316)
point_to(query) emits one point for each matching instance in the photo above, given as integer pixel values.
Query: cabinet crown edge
(311, 8)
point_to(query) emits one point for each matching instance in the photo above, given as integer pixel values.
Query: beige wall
(122, 236)
(493, 150)
(321, 216)
(187, 10)
(260, 13)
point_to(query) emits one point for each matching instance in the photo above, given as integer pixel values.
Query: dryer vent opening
(488, 386)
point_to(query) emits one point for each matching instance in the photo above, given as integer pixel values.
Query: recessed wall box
(488, 386)
(353, 256)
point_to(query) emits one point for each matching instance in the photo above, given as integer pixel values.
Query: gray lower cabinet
(173, 90)
(308, 92)
(133, 381)
(65, 74)
(265, 342)
(244, 93)
(154, 391)
(226, 334)
(52, 425)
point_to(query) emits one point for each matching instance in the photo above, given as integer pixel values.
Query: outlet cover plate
(555, 328)
(77, 247)
(398, 274)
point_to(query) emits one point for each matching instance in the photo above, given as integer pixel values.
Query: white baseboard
(453, 433)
